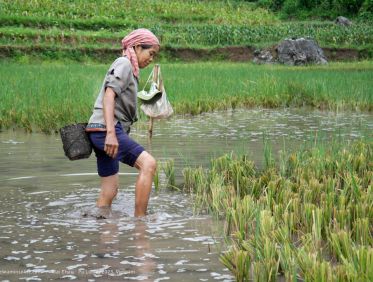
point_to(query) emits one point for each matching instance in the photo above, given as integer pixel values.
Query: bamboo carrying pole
(158, 81)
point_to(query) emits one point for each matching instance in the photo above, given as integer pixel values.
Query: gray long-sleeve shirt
(121, 79)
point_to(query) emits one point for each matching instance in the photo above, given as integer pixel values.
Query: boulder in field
(300, 52)
(342, 21)
(263, 57)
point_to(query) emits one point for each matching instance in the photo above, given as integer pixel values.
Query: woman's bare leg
(109, 189)
(146, 165)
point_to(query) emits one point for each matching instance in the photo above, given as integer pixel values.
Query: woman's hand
(111, 144)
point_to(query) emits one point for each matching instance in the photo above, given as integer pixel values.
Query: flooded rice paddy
(49, 229)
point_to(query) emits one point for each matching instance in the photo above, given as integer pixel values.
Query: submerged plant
(169, 170)
(156, 180)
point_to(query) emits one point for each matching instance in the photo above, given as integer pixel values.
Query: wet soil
(229, 53)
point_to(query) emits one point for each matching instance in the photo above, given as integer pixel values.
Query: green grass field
(47, 96)
(140, 11)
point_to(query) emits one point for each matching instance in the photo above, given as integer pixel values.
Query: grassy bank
(307, 217)
(327, 34)
(46, 96)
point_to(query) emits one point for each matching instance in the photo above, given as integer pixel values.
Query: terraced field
(81, 30)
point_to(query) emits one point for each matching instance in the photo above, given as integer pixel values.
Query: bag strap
(150, 76)
(159, 78)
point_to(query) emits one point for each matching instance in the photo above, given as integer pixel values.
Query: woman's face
(145, 56)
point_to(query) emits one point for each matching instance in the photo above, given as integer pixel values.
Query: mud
(229, 53)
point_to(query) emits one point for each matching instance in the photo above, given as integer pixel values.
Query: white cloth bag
(161, 108)
(158, 108)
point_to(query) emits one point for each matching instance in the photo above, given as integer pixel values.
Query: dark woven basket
(75, 141)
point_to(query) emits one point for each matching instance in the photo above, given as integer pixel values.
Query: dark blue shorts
(128, 151)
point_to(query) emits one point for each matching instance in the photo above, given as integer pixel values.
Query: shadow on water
(51, 230)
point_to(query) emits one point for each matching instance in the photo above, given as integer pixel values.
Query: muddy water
(49, 227)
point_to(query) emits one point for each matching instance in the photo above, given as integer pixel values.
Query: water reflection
(58, 238)
(139, 266)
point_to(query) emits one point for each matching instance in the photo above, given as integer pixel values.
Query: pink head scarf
(137, 37)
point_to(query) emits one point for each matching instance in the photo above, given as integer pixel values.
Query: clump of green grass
(165, 175)
(310, 220)
(47, 96)
(144, 11)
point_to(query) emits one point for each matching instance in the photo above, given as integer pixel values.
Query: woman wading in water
(114, 112)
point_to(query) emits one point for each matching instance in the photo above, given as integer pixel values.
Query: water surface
(49, 229)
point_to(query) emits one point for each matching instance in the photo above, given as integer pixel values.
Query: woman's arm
(111, 141)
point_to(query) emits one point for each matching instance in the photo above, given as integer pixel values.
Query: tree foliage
(319, 8)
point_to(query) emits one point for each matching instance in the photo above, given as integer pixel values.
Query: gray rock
(263, 57)
(342, 21)
(300, 52)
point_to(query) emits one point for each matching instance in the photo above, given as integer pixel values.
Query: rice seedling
(364, 260)
(240, 217)
(165, 175)
(65, 93)
(290, 221)
(311, 223)
(288, 263)
(266, 262)
(320, 271)
(283, 160)
(238, 262)
(169, 171)
(268, 156)
(264, 271)
(361, 231)
(316, 227)
(194, 179)
(156, 180)
(236, 172)
(218, 195)
(189, 180)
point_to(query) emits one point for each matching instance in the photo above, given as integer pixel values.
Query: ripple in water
(64, 239)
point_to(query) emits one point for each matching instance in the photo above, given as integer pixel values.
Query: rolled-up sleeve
(118, 77)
